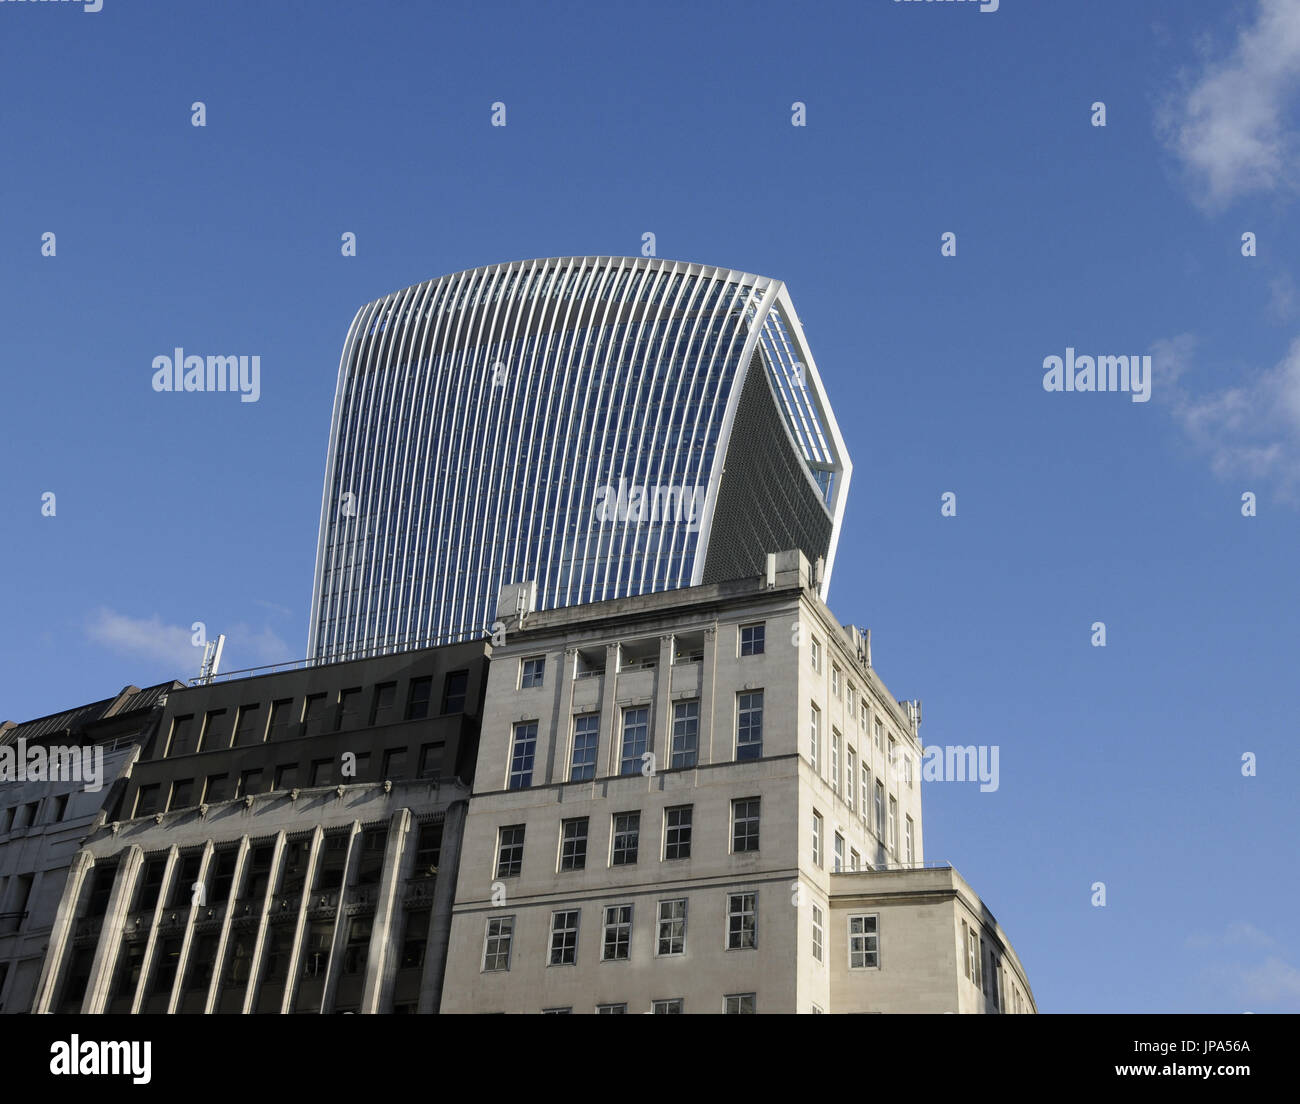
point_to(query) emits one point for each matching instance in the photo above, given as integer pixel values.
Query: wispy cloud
(146, 637)
(150, 638)
(250, 647)
(1249, 429)
(1232, 124)
(273, 607)
(1240, 977)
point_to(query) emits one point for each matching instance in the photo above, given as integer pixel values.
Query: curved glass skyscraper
(603, 426)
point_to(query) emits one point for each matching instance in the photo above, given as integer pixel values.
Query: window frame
(871, 944)
(738, 934)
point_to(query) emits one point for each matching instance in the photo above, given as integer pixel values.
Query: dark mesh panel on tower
(766, 502)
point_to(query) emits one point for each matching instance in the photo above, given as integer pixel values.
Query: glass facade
(563, 421)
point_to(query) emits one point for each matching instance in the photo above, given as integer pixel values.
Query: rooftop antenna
(211, 658)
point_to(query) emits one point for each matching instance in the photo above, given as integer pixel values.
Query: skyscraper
(604, 426)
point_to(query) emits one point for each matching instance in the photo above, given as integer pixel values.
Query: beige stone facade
(685, 801)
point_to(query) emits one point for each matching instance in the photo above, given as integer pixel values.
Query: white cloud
(273, 607)
(151, 639)
(1267, 984)
(1248, 430)
(249, 647)
(1233, 124)
(147, 637)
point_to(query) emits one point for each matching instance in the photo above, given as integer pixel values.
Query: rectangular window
(864, 716)
(370, 865)
(383, 706)
(815, 654)
(855, 860)
(564, 937)
(215, 733)
(907, 771)
(182, 796)
(314, 711)
(815, 739)
(835, 761)
(686, 733)
(617, 943)
(182, 741)
(149, 888)
(677, 832)
(322, 772)
(586, 739)
(454, 688)
(496, 944)
(531, 671)
(866, 792)
(430, 760)
(281, 720)
(893, 823)
(286, 777)
(753, 639)
(394, 764)
(738, 1004)
(838, 854)
(558, 1011)
(880, 735)
(248, 729)
(636, 731)
(358, 943)
(835, 681)
(973, 956)
(864, 942)
(417, 698)
(521, 755)
(626, 839)
(415, 940)
(428, 850)
(250, 782)
(851, 701)
(672, 927)
(667, 1007)
(817, 933)
(349, 714)
(893, 756)
(510, 851)
(744, 824)
(817, 838)
(742, 921)
(880, 810)
(60, 807)
(573, 844)
(611, 1009)
(749, 725)
(909, 830)
(217, 788)
(851, 777)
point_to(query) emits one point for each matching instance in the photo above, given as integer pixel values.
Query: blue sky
(1119, 764)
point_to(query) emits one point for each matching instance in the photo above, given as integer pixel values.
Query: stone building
(284, 842)
(706, 800)
(56, 773)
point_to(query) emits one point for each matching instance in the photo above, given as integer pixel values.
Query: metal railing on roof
(369, 651)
